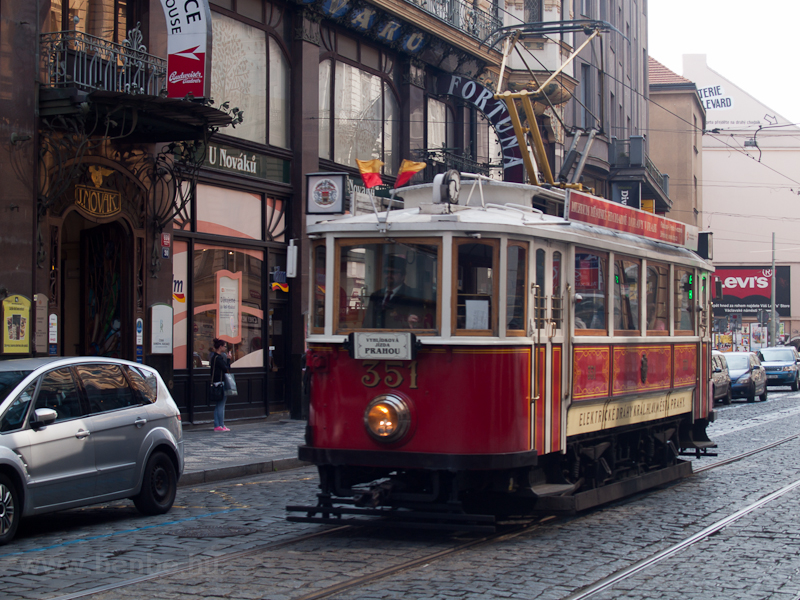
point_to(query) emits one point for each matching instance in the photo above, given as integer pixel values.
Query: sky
(755, 45)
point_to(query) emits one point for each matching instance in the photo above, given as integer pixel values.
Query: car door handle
(82, 434)
(140, 422)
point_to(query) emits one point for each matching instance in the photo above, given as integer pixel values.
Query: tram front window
(388, 285)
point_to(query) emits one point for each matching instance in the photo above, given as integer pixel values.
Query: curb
(223, 473)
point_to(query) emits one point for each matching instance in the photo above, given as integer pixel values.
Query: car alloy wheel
(9, 510)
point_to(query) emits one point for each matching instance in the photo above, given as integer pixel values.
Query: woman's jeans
(219, 413)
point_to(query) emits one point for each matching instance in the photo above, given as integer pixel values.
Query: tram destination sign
(604, 213)
(388, 345)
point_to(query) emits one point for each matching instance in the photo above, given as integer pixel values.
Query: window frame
(619, 258)
(526, 287)
(665, 331)
(315, 246)
(675, 314)
(337, 262)
(604, 256)
(493, 243)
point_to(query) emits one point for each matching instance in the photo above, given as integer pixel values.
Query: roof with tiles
(659, 74)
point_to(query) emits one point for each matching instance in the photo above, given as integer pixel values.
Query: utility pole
(772, 329)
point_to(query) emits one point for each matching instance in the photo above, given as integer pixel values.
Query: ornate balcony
(472, 21)
(72, 59)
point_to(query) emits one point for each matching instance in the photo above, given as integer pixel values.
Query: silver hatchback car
(78, 431)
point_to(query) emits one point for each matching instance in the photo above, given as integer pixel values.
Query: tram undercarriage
(595, 469)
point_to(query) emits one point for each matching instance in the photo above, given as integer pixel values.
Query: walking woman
(220, 364)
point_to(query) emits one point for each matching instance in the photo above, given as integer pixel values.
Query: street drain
(218, 532)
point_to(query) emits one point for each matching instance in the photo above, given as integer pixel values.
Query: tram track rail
(508, 532)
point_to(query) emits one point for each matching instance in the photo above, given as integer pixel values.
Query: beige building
(750, 186)
(677, 121)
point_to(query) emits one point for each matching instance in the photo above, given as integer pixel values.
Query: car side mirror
(43, 417)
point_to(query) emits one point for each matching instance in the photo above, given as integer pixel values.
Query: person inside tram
(396, 305)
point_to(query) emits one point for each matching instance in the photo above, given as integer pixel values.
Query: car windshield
(778, 354)
(9, 380)
(737, 362)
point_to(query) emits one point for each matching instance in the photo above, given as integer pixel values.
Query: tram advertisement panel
(747, 290)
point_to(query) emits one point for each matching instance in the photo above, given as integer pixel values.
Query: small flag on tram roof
(370, 172)
(407, 170)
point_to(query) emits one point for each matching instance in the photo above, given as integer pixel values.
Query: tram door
(548, 328)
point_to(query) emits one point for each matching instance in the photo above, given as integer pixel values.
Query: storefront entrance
(96, 288)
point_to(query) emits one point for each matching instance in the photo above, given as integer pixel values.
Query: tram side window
(591, 270)
(319, 286)
(684, 301)
(657, 299)
(626, 295)
(516, 288)
(475, 289)
(539, 299)
(388, 285)
(557, 307)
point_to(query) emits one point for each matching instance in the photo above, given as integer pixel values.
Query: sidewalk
(247, 449)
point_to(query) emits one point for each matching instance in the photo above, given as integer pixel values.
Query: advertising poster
(188, 39)
(229, 300)
(161, 329)
(748, 290)
(16, 325)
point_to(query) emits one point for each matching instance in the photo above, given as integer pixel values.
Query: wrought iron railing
(462, 15)
(87, 62)
(444, 159)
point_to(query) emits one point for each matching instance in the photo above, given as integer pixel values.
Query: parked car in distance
(78, 431)
(748, 377)
(721, 378)
(780, 363)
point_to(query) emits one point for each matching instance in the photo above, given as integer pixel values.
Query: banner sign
(16, 325)
(748, 290)
(604, 213)
(188, 40)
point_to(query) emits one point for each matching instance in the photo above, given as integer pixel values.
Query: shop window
(387, 286)
(684, 301)
(591, 270)
(228, 212)
(475, 298)
(180, 293)
(250, 71)
(657, 299)
(106, 19)
(276, 220)
(318, 313)
(227, 303)
(516, 288)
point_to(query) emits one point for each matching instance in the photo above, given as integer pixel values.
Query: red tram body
(532, 362)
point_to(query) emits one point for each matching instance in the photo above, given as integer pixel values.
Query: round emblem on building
(325, 193)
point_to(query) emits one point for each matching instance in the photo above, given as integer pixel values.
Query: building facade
(142, 225)
(750, 154)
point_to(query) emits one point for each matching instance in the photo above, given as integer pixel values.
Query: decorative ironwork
(444, 159)
(77, 59)
(139, 273)
(55, 271)
(464, 16)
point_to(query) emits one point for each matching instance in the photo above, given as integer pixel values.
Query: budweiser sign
(604, 213)
(188, 38)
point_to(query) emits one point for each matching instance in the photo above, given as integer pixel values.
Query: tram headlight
(387, 418)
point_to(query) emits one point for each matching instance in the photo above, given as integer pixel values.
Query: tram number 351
(393, 371)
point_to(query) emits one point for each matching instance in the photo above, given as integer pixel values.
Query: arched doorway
(96, 260)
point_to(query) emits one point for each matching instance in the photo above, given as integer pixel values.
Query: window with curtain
(358, 110)
(250, 70)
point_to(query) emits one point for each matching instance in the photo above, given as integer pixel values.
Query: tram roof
(495, 219)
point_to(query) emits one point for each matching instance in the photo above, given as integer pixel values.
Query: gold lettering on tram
(393, 377)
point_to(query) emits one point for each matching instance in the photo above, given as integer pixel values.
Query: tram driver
(396, 305)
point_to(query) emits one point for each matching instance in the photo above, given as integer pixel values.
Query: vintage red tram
(475, 357)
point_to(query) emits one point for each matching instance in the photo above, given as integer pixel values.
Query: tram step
(553, 489)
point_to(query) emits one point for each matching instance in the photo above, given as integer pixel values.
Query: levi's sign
(382, 346)
(604, 213)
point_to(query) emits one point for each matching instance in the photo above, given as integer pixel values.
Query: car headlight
(744, 378)
(790, 368)
(387, 418)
